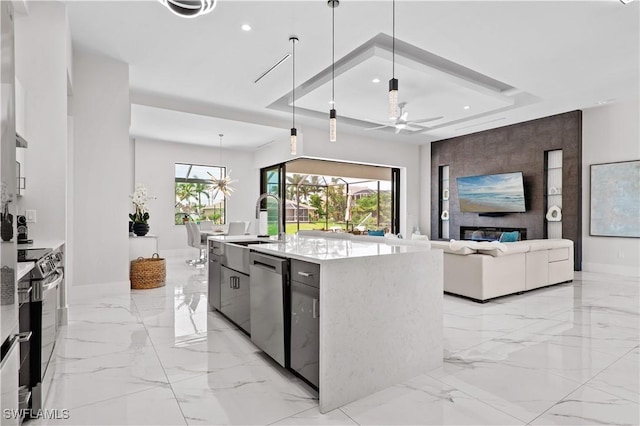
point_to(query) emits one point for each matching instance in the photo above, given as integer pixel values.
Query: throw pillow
(509, 237)
(376, 233)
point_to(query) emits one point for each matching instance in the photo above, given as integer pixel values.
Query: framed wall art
(615, 199)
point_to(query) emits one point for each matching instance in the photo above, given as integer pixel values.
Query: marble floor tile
(521, 391)
(81, 340)
(313, 416)
(219, 350)
(621, 378)
(97, 378)
(156, 406)
(562, 354)
(253, 393)
(588, 406)
(425, 401)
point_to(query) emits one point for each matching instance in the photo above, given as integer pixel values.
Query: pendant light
(222, 184)
(393, 83)
(294, 131)
(332, 112)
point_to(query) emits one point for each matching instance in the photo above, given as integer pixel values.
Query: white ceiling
(557, 56)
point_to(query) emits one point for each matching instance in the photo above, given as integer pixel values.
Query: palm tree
(202, 189)
(185, 192)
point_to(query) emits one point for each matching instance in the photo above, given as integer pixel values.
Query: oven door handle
(55, 283)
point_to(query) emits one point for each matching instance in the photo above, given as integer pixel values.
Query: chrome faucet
(281, 232)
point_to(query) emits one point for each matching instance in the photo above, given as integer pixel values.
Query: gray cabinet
(234, 297)
(305, 320)
(215, 277)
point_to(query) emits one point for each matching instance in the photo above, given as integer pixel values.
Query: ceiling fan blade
(404, 116)
(376, 128)
(398, 129)
(424, 120)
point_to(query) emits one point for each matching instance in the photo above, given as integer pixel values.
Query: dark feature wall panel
(518, 147)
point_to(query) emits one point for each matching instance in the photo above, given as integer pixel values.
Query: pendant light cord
(294, 82)
(393, 42)
(221, 135)
(333, 54)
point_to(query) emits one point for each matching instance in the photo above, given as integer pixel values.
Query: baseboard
(605, 268)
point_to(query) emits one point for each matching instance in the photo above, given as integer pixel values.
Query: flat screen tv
(500, 193)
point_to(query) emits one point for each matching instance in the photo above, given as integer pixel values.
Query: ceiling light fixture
(294, 131)
(189, 8)
(393, 83)
(466, 107)
(223, 183)
(246, 27)
(375, 80)
(333, 119)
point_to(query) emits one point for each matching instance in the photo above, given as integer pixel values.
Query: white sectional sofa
(485, 270)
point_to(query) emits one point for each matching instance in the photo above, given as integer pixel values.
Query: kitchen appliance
(31, 254)
(23, 231)
(268, 291)
(305, 320)
(39, 318)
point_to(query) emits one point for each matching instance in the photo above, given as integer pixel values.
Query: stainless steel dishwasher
(269, 293)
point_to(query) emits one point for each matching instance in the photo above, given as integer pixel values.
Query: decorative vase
(140, 229)
(6, 224)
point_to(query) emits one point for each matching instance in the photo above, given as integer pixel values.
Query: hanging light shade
(333, 118)
(294, 131)
(223, 183)
(393, 83)
(189, 8)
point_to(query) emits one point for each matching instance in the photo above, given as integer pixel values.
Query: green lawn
(292, 228)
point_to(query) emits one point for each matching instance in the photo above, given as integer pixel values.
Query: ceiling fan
(401, 122)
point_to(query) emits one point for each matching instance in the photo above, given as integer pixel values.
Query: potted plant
(140, 218)
(6, 219)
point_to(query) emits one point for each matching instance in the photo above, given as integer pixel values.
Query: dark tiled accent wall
(519, 147)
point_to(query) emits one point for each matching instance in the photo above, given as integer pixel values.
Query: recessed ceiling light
(605, 101)
(375, 80)
(466, 107)
(246, 27)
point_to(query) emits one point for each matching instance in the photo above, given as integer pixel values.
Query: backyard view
(197, 199)
(336, 203)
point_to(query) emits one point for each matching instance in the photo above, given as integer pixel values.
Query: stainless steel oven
(40, 318)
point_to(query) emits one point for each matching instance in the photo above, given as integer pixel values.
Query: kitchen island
(380, 305)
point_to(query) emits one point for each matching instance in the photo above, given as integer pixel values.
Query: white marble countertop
(40, 244)
(321, 250)
(23, 268)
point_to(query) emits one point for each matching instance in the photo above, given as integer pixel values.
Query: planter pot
(6, 227)
(130, 227)
(140, 229)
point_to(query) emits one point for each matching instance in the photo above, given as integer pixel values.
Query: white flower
(5, 197)
(140, 197)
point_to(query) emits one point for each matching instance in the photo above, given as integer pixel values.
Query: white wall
(609, 133)
(155, 168)
(359, 149)
(41, 64)
(101, 186)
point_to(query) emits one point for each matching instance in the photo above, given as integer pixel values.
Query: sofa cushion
(462, 247)
(495, 248)
(549, 244)
(509, 237)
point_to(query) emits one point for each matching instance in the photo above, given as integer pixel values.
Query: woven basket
(148, 273)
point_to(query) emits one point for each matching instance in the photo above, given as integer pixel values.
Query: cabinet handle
(25, 336)
(237, 282)
(315, 309)
(230, 282)
(305, 274)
